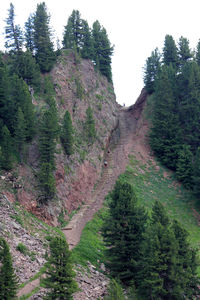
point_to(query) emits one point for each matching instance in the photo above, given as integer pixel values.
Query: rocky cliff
(77, 85)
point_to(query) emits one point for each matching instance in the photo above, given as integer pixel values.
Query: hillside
(83, 180)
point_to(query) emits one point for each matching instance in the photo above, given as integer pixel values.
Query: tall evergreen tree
(198, 53)
(196, 173)
(48, 134)
(151, 71)
(7, 157)
(123, 233)
(46, 182)
(102, 50)
(67, 134)
(189, 104)
(13, 33)
(59, 273)
(87, 42)
(170, 53)
(165, 134)
(184, 52)
(168, 268)
(73, 32)
(8, 279)
(44, 51)
(184, 167)
(29, 34)
(186, 265)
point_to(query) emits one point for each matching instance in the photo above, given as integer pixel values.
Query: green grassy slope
(150, 183)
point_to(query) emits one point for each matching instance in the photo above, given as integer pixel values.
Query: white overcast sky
(135, 28)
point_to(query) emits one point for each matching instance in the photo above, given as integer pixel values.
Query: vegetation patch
(91, 246)
(151, 184)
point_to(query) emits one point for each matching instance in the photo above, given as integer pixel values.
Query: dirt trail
(129, 137)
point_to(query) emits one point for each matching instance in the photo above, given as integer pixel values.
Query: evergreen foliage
(170, 52)
(59, 273)
(115, 291)
(73, 34)
(25, 66)
(152, 68)
(29, 34)
(184, 168)
(102, 50)
(165, 135)
(67, 134)
(184, 52)
(13, 33)
(44, 52)
(8, 279)
(175, 131)
(196, 173)
(168, 265)
(48, 134)
(6, 154)
(123, 233)
(91, 44)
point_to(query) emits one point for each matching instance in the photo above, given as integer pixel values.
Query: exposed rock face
(77, 85)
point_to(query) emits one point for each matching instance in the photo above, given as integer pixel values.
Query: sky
(135, 28)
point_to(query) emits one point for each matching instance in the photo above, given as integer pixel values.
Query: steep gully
(128, 138)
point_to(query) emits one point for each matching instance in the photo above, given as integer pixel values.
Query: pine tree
(170, 52)
(87, 42)
(159, 257)
(123, 233)
(198, 53)
(14, 36)
(46, 182)
(184, 52)
(48, 134)
(44, 52)
(168, 265)
(152, 69)
(90, 126)
(166, 132)
(29, 34)
(102, 50)
(59, 273)
(73, 34)
(8, 279)
(6, 157)
(189, 104)
(25, 66)
(196, 173)
(67, 134)
(186, 265)
(184, 167)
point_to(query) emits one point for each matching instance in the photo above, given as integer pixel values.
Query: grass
(152, 184)
(91, 247)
